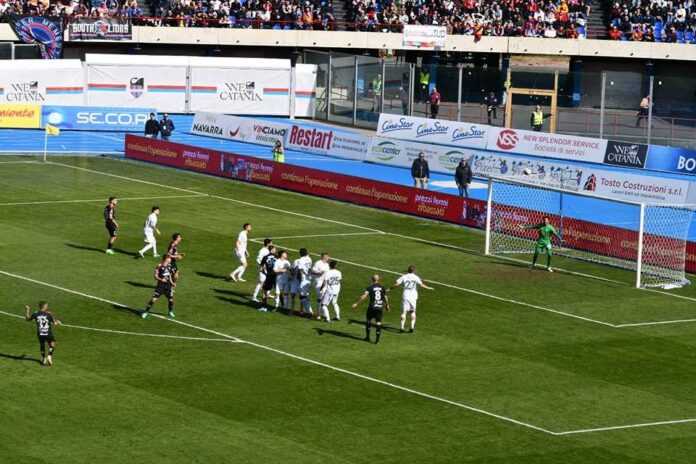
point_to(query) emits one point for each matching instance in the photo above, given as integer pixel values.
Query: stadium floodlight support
(647, 238)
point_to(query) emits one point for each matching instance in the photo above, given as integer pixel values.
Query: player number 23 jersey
(332, 281)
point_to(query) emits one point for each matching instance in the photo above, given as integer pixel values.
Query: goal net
(649, 239)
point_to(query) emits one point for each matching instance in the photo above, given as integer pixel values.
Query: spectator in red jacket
(434, 103)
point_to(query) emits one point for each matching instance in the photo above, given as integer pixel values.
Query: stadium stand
(653, 21)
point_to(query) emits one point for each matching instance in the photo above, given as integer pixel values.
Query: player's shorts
(375, 314)
(111, 227)
(544, 247)
(149, 236)
(164, 290)
(284, 284)
(305, 288)
(241, 257)
(408, 306)
(328, 298)
(294, 286)
(43, 339)
(270, 283)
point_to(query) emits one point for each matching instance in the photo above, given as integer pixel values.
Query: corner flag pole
(45, 144)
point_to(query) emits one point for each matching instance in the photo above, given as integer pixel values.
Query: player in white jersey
(282, 269)
(330, 290)
(410, 282)
(265, 249)
(302, 282)
(240, 251)
(150, 230)
(321, 266)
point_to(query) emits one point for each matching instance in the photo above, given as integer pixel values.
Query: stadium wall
(597, 238)
(170, 84)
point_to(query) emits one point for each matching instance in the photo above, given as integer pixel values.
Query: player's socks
(367, 331)
(171, 310)
(49, 360)
(337, 311)
(325, 313)
(378, 333)
(256, 292)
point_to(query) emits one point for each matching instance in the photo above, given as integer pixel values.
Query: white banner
(241, 90)
(424, 36)
(161, 87)
(568, 147)
(43, 82)
(327, 141)
(248, 130)
(221, 126)
(458, 134)
(609, 183)
(305, 90)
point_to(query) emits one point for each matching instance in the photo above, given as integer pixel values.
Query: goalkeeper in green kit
(546, 232)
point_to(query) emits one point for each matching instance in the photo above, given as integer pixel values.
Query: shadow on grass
(22, 357)
(210, 275)
(139, 284)
(101, 250)
(338, 333)
(385, 327)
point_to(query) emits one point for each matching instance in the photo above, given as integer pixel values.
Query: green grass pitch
(507, 365)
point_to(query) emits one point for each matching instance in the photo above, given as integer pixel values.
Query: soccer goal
(649, 239)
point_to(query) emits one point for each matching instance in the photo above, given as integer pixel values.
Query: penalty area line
(139, 334)
(298, 357)
(470, 290)
(50, 202)
(377, 231)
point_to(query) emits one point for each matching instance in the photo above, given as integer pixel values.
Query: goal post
(648, 239)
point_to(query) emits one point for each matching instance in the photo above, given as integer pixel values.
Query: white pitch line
(622, 427)
(298, 357)
(139, 334)
(349, 234)
(48, 202)
(472, 291)
(332, 221)
(644, 324)
(19, 162)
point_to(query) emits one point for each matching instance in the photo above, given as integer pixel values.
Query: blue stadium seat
(581, 31)
(658, 33)
(680, 37)
(689, 36)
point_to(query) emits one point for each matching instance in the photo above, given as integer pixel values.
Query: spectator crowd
(518, 18)
(653, 21)
(261, 14)
(635, 20)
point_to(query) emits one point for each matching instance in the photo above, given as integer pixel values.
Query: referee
(375, 308)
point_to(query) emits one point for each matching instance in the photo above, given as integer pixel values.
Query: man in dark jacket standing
(463, 177)
(420, 171)
(152, 127)
(166, 127)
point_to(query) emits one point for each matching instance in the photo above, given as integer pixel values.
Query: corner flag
(52, 130)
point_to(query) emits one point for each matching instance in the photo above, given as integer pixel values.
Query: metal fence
(353, 90)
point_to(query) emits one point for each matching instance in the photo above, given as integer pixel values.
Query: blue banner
(671, 159)
(96, 118)
(47, 33)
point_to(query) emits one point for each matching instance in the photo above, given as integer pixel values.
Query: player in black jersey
(173, 252)
(268, 268)
(110, 223)
(45, 321)
(375, 309)
(166, 281)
